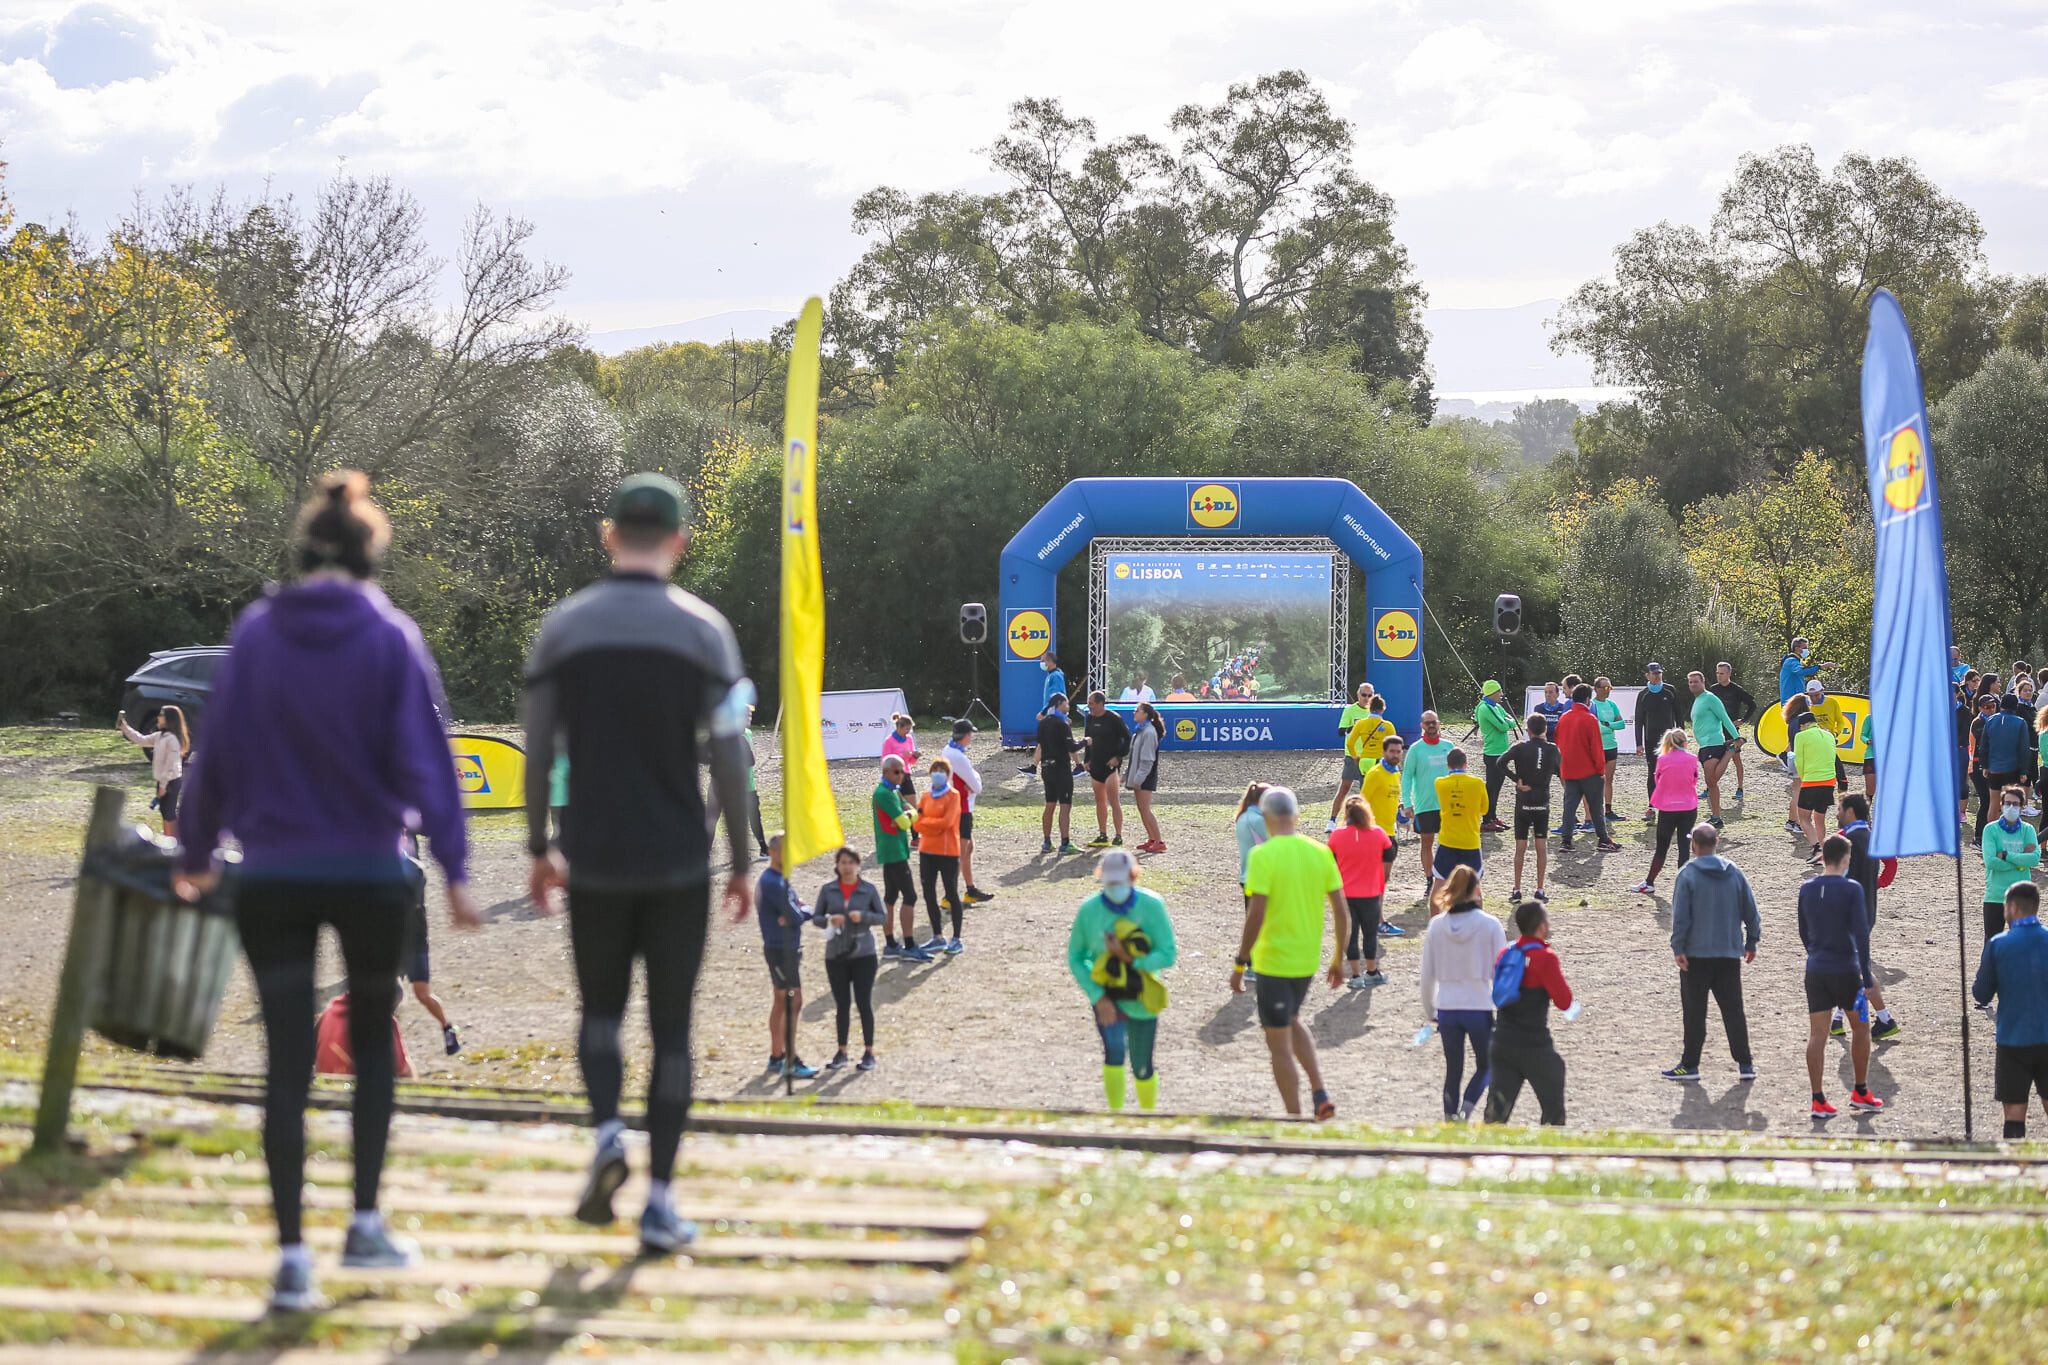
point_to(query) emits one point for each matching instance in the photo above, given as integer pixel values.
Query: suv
(180, 677)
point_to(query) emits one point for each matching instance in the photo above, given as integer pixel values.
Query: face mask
(1047, 666)
(1803, 653)
(939, 785)
(2011, 816)
(1654, 687)
(1116, 893)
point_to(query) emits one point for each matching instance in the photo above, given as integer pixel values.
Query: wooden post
(92, 910)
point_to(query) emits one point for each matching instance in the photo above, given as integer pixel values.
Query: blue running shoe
(955, 947)
(607, 1173)
(663, 1231)
(935, 944)
(913, 953)
(378, 1249)
(294, 1290)
(795, 1067)
(1388, 929)
(891, 950)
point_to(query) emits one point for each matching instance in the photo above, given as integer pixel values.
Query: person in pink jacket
(1674, 800)
(902, 743)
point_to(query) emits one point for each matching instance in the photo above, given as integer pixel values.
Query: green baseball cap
(649, 500)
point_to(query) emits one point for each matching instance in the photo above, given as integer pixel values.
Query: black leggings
(607, 930)
(1365, 928)
(1990, 788)
(930, 868)
(754, 820)
(1671, 823)
(853, 986)
(280, 927)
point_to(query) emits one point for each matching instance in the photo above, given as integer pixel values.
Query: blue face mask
(2010, 817)
(939, 784)
(1116, 893)
(1654, 687)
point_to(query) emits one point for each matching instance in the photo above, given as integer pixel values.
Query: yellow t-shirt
(1462, 798)
(1366, 737)
(1295, 874)
(1381, 789)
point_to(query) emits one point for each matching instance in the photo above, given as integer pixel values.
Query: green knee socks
(1113, 1085)
(1148, 1092)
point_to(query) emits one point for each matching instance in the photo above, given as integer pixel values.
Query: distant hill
(749, 324)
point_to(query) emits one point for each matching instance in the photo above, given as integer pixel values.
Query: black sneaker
(451, 1038)
(1881, 1029)
(1682, 1073)
(1746, 1071)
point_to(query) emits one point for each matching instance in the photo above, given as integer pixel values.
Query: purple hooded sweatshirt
(322, 745)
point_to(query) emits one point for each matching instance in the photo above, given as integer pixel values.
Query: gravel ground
(1003, 1024)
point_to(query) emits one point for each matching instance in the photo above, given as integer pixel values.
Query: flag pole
(1963, 975)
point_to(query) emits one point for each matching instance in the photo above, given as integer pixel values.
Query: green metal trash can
(168, 961)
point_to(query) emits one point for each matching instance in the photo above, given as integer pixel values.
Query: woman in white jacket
(168, 745)
(1458, 954)
(1141, 771)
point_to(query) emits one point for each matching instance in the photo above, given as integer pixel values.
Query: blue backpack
(1507, 975)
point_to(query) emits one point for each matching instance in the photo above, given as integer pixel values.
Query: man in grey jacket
(1714, 930)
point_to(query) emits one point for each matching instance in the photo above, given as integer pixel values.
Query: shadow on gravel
(1344, 1018)
(1231, 1018)
(1696, 1109)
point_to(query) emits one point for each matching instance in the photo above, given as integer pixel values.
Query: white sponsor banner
(856, 723)
(1624, 697)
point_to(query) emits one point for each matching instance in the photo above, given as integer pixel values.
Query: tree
(344, 358)
(1792, 556)
(1542, 428)
(1744, 342)
(1254, 238)
(1991, 456)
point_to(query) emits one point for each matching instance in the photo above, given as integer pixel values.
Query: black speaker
(1507, 614)
(973, 623)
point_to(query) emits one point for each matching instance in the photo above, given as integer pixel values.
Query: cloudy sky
(685, 159)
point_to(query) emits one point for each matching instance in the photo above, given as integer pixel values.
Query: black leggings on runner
(930, 868)
(853, 987)
(280, 927)
(1365, 928)
(1671, 823)
(1990, 788)
(607, 930)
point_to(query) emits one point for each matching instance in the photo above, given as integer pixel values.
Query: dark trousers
(754, 820)
(1455, 1027)
(280, 927)
(1994, 919)
(1519, 1055)
(665, 928)
(1989, 786)
(1670, 823)
(931, 867)
(1721, 978)
(1593, 791)
(853, 985)
(1496, 773)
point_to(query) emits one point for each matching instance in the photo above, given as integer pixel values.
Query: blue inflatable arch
(1222, 509)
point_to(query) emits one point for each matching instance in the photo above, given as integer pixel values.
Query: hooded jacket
(1458, 954)
(1713, 911)
(1792, 675)
(323, 746)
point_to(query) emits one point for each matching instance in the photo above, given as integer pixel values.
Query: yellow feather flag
(810, 814)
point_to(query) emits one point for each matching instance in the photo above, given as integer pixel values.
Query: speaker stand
(974, 696)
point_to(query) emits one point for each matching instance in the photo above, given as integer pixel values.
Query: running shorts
(1832, 991)
(783, 965)
(1428, 821)
(414, 964)
(1532, 822)
(1710, 752)
(1099, 773)
(1611, 755)
(1280, 998)
(2018, 1071)
(1151, 782)
(898, 884)
(1817, 796)
(967, 824)
(1870, 767)
(1351, 772)
(1058, 779)
(167, 800)
(1448, 858)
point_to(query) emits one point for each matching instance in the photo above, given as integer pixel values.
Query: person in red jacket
(1522, 1050)
(1582, 763)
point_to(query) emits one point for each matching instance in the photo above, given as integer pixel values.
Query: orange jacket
(938, 822)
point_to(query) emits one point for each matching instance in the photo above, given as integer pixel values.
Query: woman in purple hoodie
(323, 749)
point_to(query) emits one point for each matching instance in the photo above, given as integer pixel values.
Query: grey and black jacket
(848, 940)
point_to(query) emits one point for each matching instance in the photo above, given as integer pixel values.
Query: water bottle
(1573, 1013)
(1422, 1035)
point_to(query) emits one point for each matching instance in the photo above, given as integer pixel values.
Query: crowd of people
(326, 759)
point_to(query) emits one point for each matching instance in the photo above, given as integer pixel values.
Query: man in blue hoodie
(2014, 971)
(1714, 930)
(1793, 670)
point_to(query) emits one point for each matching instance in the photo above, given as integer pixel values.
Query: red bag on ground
(331, 1055)
(1887, 869)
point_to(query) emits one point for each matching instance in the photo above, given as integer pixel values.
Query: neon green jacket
(1813, 753)
(1496, 727)
(2006, 862)
(1608, 712)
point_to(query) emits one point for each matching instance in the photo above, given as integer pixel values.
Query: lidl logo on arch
(1029, 634)
(1213, 506)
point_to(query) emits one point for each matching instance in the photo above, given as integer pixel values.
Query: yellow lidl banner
(810, 814)
(490, 772)
(1770, 728)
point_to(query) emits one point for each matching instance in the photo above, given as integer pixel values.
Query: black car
(178, 677)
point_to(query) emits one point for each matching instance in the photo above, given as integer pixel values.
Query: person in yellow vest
(1462, 799)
